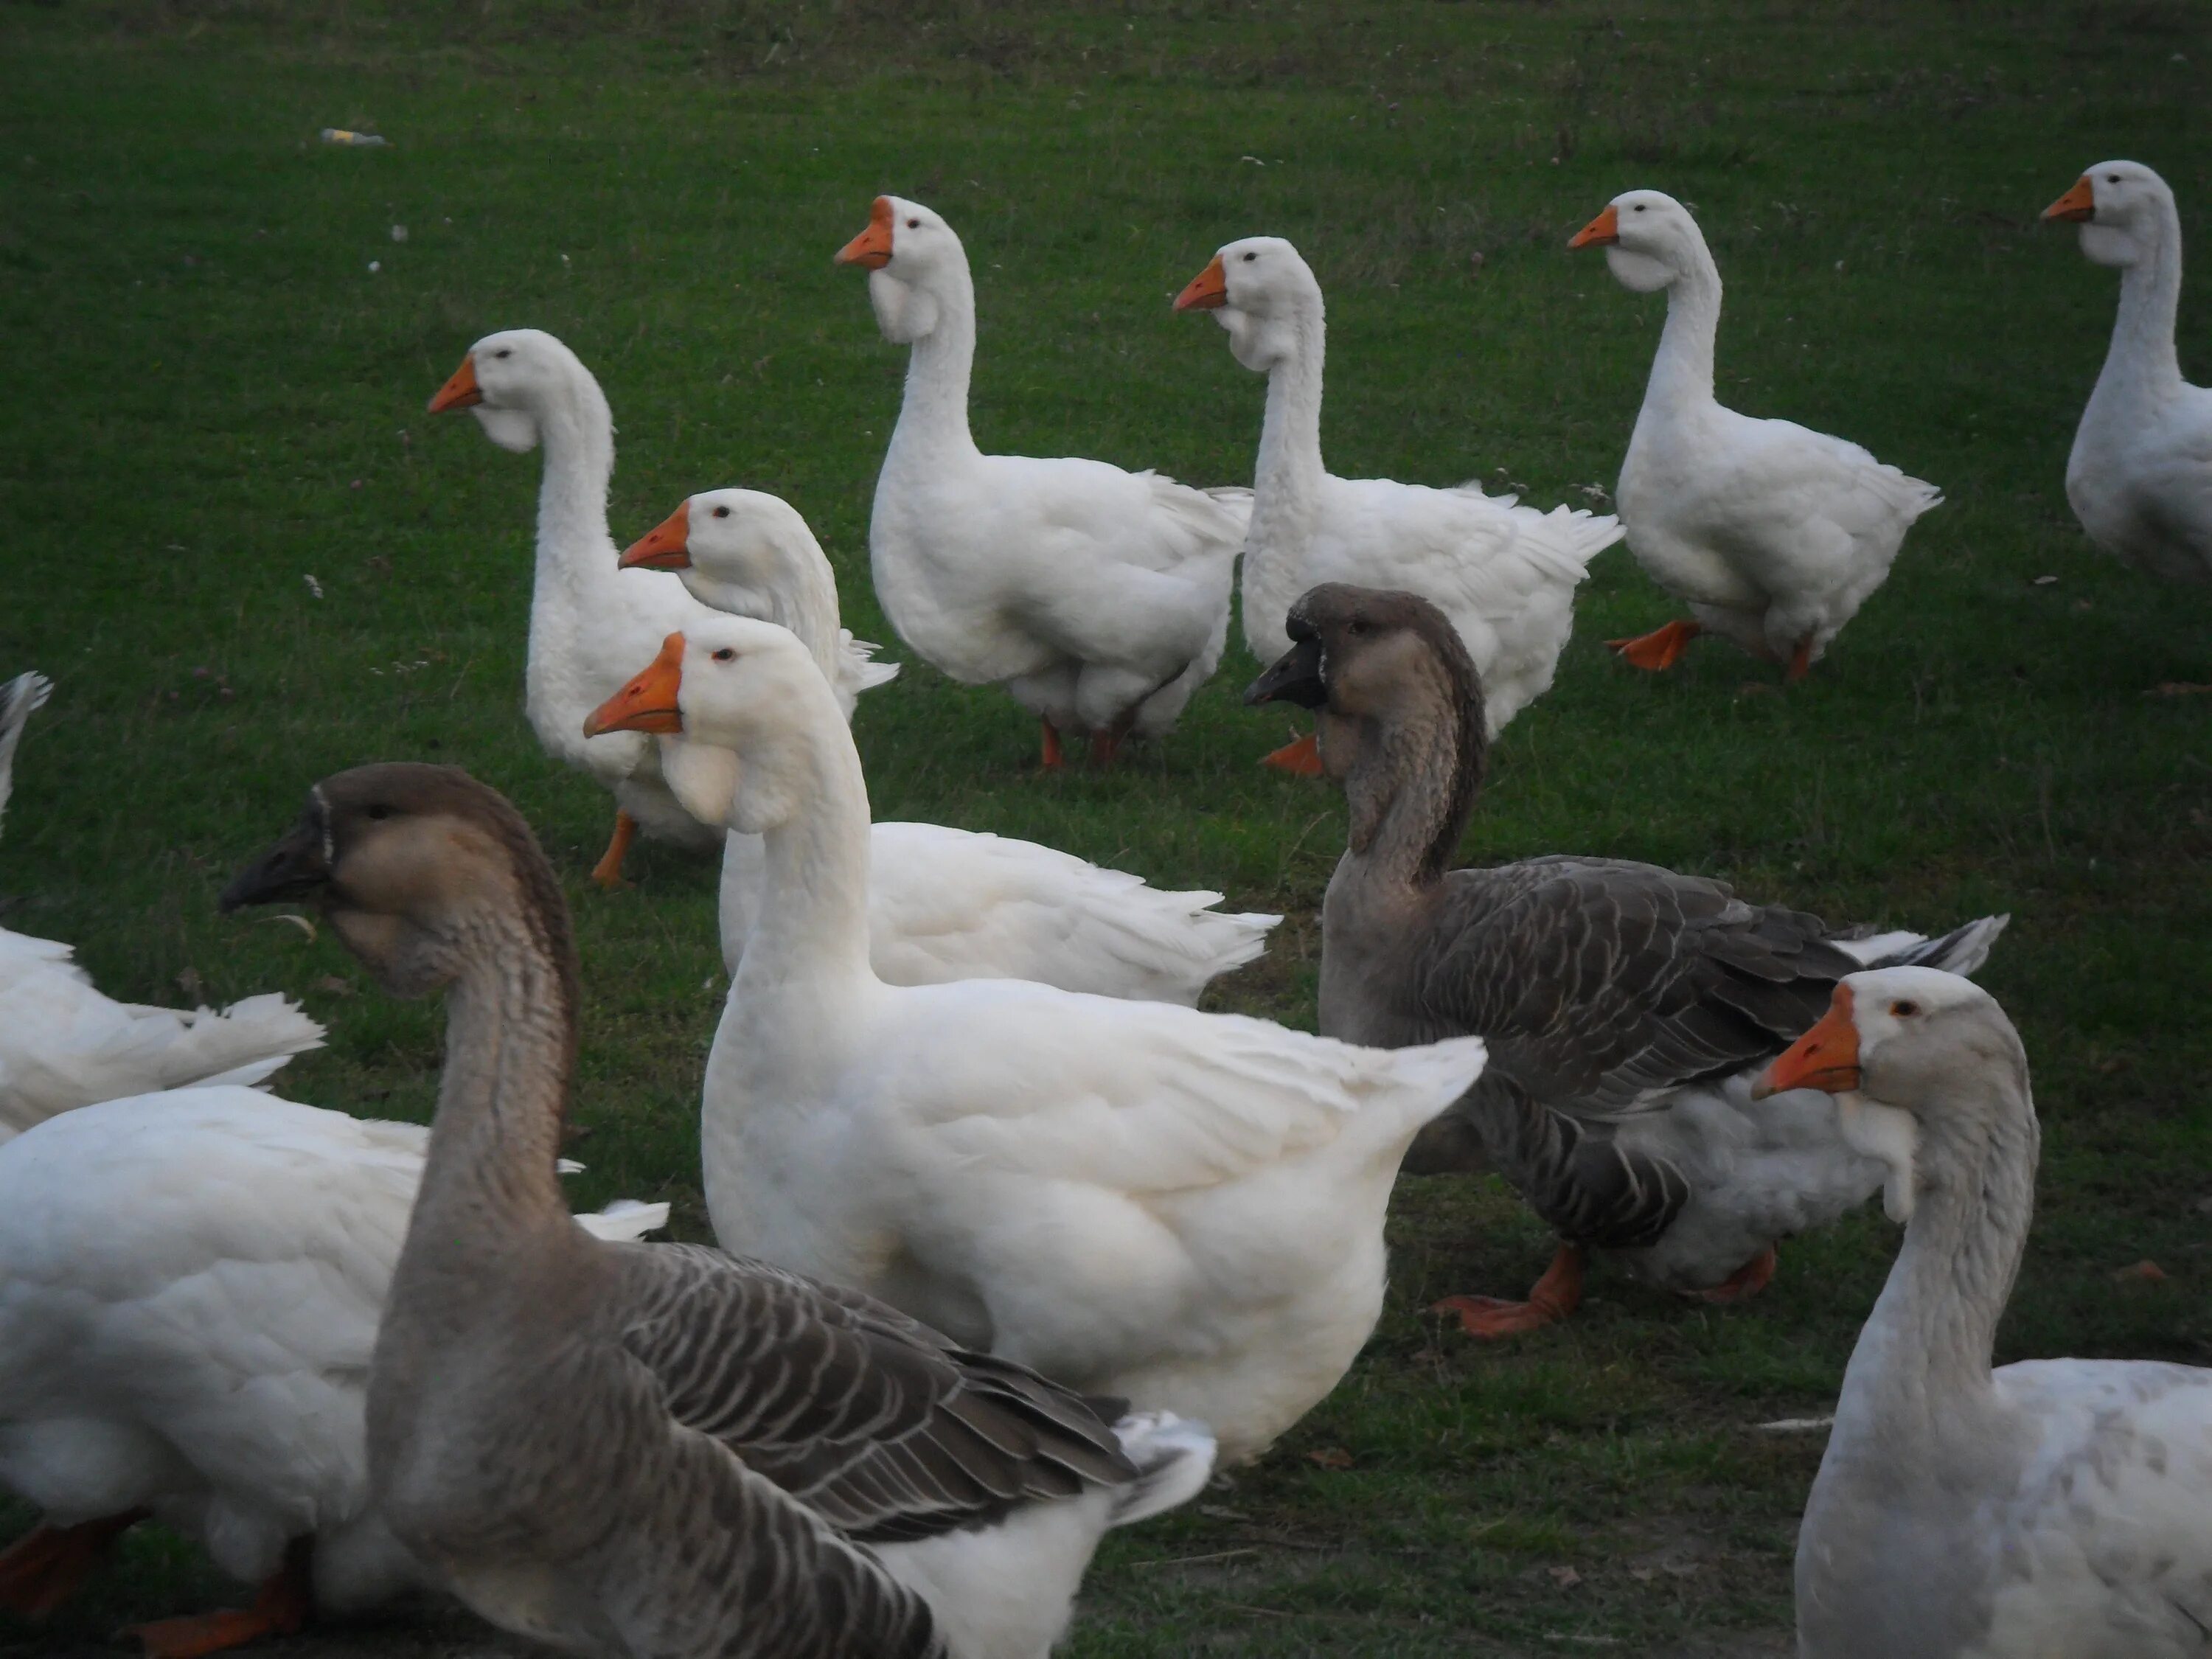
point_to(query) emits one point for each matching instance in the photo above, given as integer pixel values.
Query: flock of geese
(1021, 1244)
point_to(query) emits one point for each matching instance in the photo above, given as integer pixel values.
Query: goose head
(1650, 241)
(1264, 294)
(742, 686)
(413, 867)
(742, 551)
(1397, 703)
(507, 380)
(2122, 208)
(912, 260)
(1924, 1066)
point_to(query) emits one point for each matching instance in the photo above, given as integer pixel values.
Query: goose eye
(913, 224)
(1358, 625)
(726, 654)
(721, 511)
(1249, 258)
(2111, 177)
(1640, 207)
(1905, 1010)
(504, 352)
(380, 811)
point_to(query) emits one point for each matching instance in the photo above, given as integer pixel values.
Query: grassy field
(218, 357)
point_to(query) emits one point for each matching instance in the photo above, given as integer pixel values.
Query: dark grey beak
(1295, 678)
(296, 868)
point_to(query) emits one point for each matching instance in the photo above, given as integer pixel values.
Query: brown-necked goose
(1626, 1006)
(636, 1449)
(2054, 1507)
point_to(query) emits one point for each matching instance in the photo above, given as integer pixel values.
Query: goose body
(1504, 574)
(2053, 1509)
(2140, 475)
(1184, 1209)
(1627, 1007)
(190, 1287)
(1774, 535)
(653, 1451)
(943, 903)
(63, 1044)
(526, 388)
(1098, 598)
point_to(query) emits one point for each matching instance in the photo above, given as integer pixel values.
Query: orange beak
(666, 546)
(2077, 203)
(1826, 1058)
(872, 249)
(1207, 291)
(648, 703)
(459, 392)
(1600, 232)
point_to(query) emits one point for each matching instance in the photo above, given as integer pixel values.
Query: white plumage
(1181, 1209)
(2056, 1509)
(590, 625)
(63, 1044)
(2140, 475)
(1098, 598)
(190, 1288)
(1504, 574)
(1772, 534)
(943, 903)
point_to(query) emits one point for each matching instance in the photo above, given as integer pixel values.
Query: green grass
(211, 397)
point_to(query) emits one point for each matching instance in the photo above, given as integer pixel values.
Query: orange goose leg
(1301, 757)
(1748, 1280)
(47, 1565)
(608, 871)
(1556, 1295)
(1663, 647)
(1801, 661)
(282, 1607)
(1053, 760)
(1107, 744)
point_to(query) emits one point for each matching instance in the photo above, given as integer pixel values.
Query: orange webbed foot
(608, 871)
(1301, 757)
(1661, 648)
(282, 1607)
(47, 1565)
(1748, 1280)
(1554, 1296)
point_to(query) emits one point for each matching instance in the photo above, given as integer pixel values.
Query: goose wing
(1603, 986)
(882, 1427)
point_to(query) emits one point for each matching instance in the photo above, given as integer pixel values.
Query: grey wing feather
(1602, 986)
(871, 1419)
(764, 1578)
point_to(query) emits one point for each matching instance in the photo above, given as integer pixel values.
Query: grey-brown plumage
(660, 1449)
(1623, 1003)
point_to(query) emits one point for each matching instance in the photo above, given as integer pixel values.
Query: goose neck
(1286, 483)
(577, 431)
(1920, 1374)
(510, 1044)
(1411, 787)
(2142, 349)
(812, 924)
(1682, 369)
(933, 411)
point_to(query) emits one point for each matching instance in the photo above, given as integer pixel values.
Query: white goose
(1181, 1209)
(1505, 574)
(190, 1287)
(2052, 1509)
(1098, 598)
(525, 387)
(943, 903)
(1774, 535)
(2140, 477)
(63, 1044)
